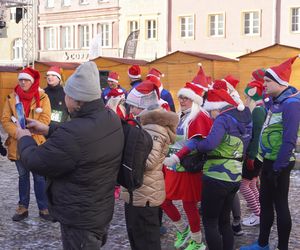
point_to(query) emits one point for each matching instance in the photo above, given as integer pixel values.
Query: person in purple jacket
(277, 146)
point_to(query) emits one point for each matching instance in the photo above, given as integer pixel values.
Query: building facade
(78, 30)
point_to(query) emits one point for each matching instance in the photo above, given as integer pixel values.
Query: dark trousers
(142, 225)
(274, 191)
(217, 199)
(75, 239)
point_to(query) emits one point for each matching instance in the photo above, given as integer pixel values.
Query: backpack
(137, 147)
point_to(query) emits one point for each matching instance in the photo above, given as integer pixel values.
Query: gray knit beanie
(84, 84)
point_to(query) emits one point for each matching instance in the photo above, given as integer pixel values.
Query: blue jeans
(24, 187)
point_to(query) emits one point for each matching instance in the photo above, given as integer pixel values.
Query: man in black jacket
(80, 160)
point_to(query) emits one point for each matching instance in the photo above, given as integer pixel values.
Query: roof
(124, 60)
(10, 69)
(268, 47)
(201, 55)
(63, 65)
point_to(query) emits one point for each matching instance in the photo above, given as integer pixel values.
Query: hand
(3, 150)
(37, 127)
(250, 164)
(172, 160)
(21, 132)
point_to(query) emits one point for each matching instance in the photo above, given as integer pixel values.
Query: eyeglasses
(183, 98)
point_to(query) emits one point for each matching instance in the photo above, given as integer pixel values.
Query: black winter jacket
(81, 160)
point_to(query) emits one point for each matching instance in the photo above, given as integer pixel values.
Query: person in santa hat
(113, 83)
(165, 95)
(56, 94)
(277, 145)
(252, 165)
(180, 184)
(142, 215)
(134, 74)
(225, 146)
(37, 106)
(116, 100)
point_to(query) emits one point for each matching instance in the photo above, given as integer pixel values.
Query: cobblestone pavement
(34, 233)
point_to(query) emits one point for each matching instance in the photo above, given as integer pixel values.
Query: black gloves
(3, 150)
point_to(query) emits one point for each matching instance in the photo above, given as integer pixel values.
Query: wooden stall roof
(10, 69)
(253, 53)
(123, 60)
(211, 57)
(64, 65)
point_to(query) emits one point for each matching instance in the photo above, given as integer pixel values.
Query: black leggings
(274, 192)
(217, 199)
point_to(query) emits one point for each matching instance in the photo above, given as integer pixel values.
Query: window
(17, 49)
(50, 3)
(251, 23)
(296, 19)
(216, 25)
(84, 36)
(66, 35)
(186, 27)
(66, 3)
(133, 26)
(83, 2)
(151, 29)
(104, 31)
(50, 38)
(12, 13)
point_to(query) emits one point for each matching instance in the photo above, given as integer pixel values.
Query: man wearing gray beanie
(80, 159)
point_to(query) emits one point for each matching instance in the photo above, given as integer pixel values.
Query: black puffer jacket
(81, 160)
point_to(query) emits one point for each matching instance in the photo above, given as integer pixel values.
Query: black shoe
(237, 229)
(44, 214)
(19, 217)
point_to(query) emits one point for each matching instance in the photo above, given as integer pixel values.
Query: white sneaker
(251, 221)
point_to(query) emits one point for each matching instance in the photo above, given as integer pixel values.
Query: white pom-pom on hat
(199, 64)
(240, 107)
(39, 110)
(267, 99)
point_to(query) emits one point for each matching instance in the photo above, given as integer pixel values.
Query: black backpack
(137, 147)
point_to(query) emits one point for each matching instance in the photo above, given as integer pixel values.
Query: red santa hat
(155, 72)
(201, 79)
(220, 98)
(33, 76)
(134, 72)
(113, 77)
(54, 70)
(144, 95)
(220, 84)
(192, 91)
(156, 81)
(231, 81)
(259, 74)
(281, 73)
(117, 92)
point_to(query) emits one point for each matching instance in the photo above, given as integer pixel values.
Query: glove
(171, 161)
(3, 150)
(250, 164)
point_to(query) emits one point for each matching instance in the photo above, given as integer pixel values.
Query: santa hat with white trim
(231, 82)
(33, 76)
(113, 77)
(146, 94)
(54, 70)
(192, 91)
(281, 74)
(219, 98)
(157, 82)
(134, 72)
(115, 93)
(201, 79)
(155, 72)
(219, 84)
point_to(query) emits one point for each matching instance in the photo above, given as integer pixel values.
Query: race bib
(56, 115)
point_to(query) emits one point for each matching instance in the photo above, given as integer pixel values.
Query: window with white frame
(216, 25)
(66, 3)
(50, 3)
(133, 26)
(66, 36)
(187, 26)
(17, 49)
(12, 13)
(295, 19)
(84, 36)
(105, 34)
(151, 29)
(251, 23)
(83, 1)
(50, 35)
